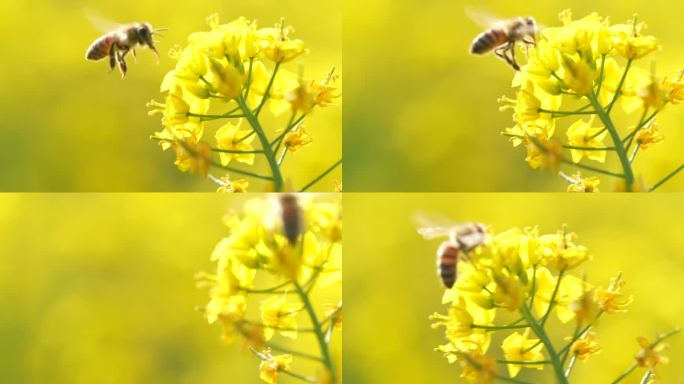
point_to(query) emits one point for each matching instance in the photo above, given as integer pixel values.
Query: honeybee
(291, 214)
(463, 238)
(117, 43)
(502, 35)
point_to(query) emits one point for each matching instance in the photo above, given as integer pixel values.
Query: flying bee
(502, 35)
(291, 214)
(463, 238)
(117, 43)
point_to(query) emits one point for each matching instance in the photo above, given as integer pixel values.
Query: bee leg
(513, 63)
(503, 51)
(122, 63)
(112, 58)
(135, 55)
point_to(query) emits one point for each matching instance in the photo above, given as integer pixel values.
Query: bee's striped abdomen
(292, 217)
(447, 259)
(100, 48)
(488, 40)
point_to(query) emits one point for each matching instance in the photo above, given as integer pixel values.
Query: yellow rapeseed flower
(277, 46)
(193, 158)
(611, 300)
(585, 347)
(650, 356)
(675, 88)
(273, 366)
(581, 134)
(297, 139)
(646, 137)
(517, 347)
(584, 184)
(630, 43)
(477, 367)
(231, 138)
(279, 315)
(232, 186)
(544, 154)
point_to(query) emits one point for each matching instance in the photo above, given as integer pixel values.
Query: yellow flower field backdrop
(102, 288)
(422, 113)
(390, 279)
(69, 125)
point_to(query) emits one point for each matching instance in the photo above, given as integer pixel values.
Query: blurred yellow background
(421, 113)
(69, 125)
(391, 286)
(100, 288)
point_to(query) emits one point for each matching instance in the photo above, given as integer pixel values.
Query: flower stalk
(230, 65)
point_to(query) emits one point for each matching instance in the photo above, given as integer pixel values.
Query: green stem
(634, 153)
(646, 378)
(567, 113)
(245, 137)
(213, 117)
(282, 156)
(593, 169)
(601, 73)
(571, 365)
(499, 327)
(618, 90)
(553, 297)
(287, 130)
(320, 335)
(265, 290)
(625, 374)
(265, 145)
(261, 325)
(541, 333)
(240, 172)
(622, 154)
(589, 148)
(267, 92)
(523, 362)
(219, 150)
(533, 287)
(654, 344)
(634, 132)
(249, 77)
(322, 175)
(597, 133)
(298, 376)
(666, 178)
(575, 335)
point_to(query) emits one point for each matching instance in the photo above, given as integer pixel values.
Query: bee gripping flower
(249, 264)
(576, 70)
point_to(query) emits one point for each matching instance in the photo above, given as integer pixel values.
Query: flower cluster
(277, 252)
(227, 68)
(585, 69)
(522, 272)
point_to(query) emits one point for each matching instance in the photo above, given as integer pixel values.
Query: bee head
(145, 32)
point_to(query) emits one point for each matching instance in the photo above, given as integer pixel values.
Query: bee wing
(101, 23)
(482, 17)
(430, 233)
(433, 226)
